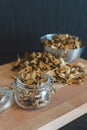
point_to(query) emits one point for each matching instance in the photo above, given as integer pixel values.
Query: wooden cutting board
(69, 103)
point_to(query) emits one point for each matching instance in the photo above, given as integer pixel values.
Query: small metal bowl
(68, 55)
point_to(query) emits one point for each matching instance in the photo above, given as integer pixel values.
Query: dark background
(23, 22)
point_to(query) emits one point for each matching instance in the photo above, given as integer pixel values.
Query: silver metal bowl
(68, 55)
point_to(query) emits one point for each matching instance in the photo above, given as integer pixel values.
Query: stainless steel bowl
(68, 55)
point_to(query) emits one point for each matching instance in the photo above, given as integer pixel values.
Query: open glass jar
(32, 96)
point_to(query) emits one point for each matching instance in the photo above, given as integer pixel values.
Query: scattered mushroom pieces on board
(33, 65)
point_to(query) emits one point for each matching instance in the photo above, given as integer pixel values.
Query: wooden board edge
(65, 119)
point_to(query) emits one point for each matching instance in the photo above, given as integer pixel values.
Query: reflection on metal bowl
(68, 55)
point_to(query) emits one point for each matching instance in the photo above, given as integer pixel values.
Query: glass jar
(32, 96)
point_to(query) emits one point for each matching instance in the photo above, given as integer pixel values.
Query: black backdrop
(23, 22)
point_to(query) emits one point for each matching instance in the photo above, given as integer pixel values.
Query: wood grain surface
(67, 104)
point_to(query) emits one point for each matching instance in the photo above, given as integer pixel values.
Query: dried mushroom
(33, 99)
(37, 63)
(35, 92)
(63, 41)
